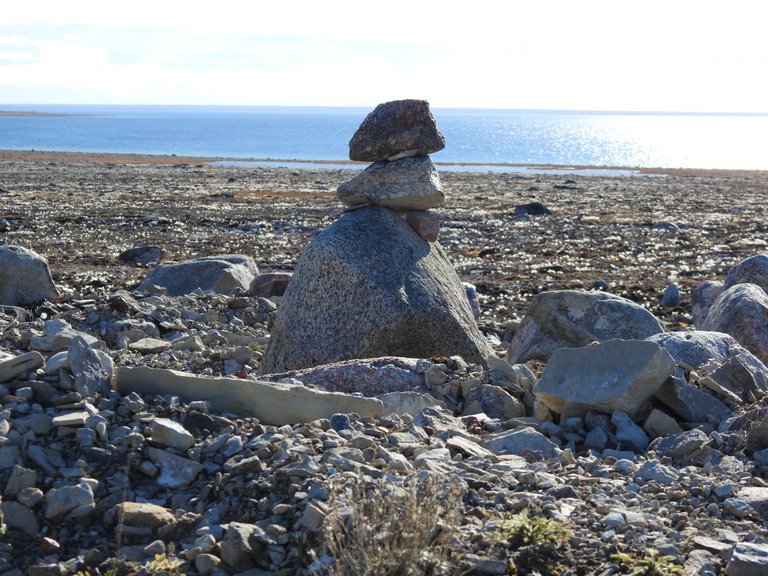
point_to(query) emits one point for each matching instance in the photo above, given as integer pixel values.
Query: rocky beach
(128, 441)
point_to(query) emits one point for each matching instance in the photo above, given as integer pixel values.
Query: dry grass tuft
(386, 529)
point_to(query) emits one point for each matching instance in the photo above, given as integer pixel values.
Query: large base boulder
(24, 277)
(369, 286)
(574, 318)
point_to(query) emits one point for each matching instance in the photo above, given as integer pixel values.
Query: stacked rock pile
(368, 286)
(398, 138)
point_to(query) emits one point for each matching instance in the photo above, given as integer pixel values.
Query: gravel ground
(631, 234)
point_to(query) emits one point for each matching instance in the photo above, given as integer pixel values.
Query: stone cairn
(398, 137)
(368, 286)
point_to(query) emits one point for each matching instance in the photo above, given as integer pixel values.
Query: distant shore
(170, 159)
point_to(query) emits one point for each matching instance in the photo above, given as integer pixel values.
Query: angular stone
(170, 433)
(77, 418)
(9, 369)
(757, 498)
(149, 346)
(574, 318)
(269, 284)
(10, 456)
(613, 375)
(402, 185)
(426, 223)
(19, 479)
(660, 423)
(748, 559)
(175, 471)
(691, 404)
(24, 277)
(221, 274)
(63, 501)
(396, 128)
(91, 378)
(521, 440)
(58, 334)
(366, 287)
(271, 402)
(18, 517)
(703, 298)
(697, 347)
(742, 312)
(142, 255)
(493, 401)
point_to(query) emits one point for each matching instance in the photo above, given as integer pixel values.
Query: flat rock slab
(270, 402)
(610, 376)
(407, 184)
(396, 128)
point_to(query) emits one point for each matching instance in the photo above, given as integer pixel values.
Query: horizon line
(364, 107)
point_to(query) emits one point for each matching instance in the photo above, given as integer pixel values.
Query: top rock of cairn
(394, 130)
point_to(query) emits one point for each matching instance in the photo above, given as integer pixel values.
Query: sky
(651, 55)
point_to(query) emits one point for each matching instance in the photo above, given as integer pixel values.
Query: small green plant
(163, 565)
(651, 563)
(534, 543)
(538, 534)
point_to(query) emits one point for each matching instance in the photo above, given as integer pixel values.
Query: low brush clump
(383, 529)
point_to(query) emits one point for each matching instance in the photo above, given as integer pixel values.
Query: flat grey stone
(748, 559)
(609, 376)
(402, 185)
(519, 441)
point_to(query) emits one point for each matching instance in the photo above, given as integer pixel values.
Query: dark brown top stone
(394, 130)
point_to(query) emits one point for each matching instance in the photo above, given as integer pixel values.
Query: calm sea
(519, 137)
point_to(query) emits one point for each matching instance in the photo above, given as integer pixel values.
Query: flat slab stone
(613, 375)
(407, 184)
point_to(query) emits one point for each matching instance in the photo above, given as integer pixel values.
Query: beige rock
(659, 424)
(272, 403)
(9, 369)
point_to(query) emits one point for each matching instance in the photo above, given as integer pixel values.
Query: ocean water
(523, 138)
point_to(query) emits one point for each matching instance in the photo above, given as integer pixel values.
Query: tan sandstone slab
(271, 402)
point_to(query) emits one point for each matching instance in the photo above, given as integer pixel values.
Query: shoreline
(169, 159)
